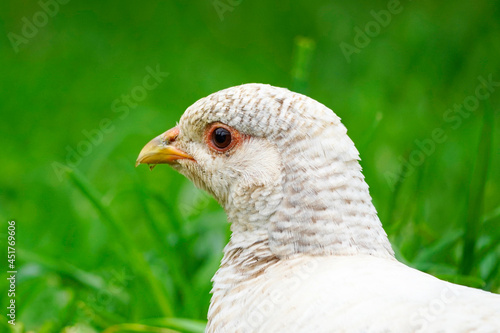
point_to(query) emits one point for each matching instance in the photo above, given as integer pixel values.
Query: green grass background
(110, 247)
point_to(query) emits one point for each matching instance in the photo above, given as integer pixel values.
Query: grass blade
(181, 324)
(65, 269)
(476, 193)
(137, 328)
(302, 56)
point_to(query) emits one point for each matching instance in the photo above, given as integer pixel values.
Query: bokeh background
(103, 246)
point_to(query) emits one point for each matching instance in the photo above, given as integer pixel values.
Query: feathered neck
(327, 213)
(310, 207)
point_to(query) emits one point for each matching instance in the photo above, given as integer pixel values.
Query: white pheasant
(308, 252)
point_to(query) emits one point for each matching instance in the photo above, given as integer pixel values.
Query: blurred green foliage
(107, 246)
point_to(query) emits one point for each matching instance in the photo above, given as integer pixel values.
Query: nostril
(170, 135)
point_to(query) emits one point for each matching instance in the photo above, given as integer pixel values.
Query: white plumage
(308, 252)
(350, 294)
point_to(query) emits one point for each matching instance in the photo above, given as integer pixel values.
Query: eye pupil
(221, 137)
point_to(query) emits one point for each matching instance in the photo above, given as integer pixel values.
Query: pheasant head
(282, 167)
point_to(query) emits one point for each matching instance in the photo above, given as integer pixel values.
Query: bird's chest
(310, 294)
(261, 299)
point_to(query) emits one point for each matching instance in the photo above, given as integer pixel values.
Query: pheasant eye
(221, 138)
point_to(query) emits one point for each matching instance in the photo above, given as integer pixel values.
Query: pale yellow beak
(161, 150)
